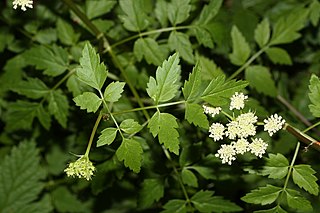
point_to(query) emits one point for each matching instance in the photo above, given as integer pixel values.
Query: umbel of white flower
(23, 4)
(81, 168)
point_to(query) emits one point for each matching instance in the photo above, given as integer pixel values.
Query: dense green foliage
(123, 83)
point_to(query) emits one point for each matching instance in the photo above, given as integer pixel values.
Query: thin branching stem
(94, 130)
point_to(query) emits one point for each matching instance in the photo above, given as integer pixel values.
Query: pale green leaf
(262, 33)
(189, 178)
(240, 47)
(97, 8)
(66, 34)
(91, 72)
(209, 69)
(209, 11)
(314, 96)
(113, 91)
(314, 12)
(178, 11)
(107, 136)
(46, 36)
(175, 206)
(167, 82)
(276, 209)
(194, 114)
(152, 190)
(303, 176)
(130, 151)
(161, 12)
(260, 78)
(279, 56)
(58, 106)
(203, 36)
(150, 49)
(297, 201)
(130, 126)
(32, 88)
(192, 88)
(164, 125)
(276, 167)
(88, 101)
(263, 195)
(180, 43)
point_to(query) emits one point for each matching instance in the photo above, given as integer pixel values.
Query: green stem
(63, 79)
(95, 127)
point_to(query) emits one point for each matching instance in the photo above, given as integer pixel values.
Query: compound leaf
(303, 176)
(297, 201)
(178, 11)
(314, 96)
(130, 126)
(180, 43)
(175, 206)
(263, 195)
(150, 49)
(88, 101)
(107, 136)
(194, 114)
(276, 166)
(113, 91)
(240, 47)
(192, 88)
(32, 88)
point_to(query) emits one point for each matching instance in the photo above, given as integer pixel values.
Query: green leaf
(92, 72)
(76, 86)
(152, 190)
(314, 8)
(107, 136)
(53, 60)
(130, 151)
(262, 33)
(276, 209)
(194, 114)
(209, 69)
(209, 11)
(130, 126)
(89, 101)
(20, 176)
(297, 201)
(58, 106)
(113, 91)
(205, 172)
(276, 166)
(219, 91)
(46, 36)
(192, 88)
(175, 206)
(264, 195)
(161, 12)
(279, 56)
(314, 96)
(41, 206)
(97, 8)
(240, 47)
(167, 82)
(203, 36)
(302, 175)
(260, 78)
(286, 28)
(205, 202)
(43, 116)
(134, 18)
(178, 11)
(164, 125)
(150, 49)
(189, 178)
(32, 88)
(66, 34)
(180, 43)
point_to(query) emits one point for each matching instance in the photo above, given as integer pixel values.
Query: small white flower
(216, 131)
(241, 146)
(246, 130)
(273, 124)
(226, 153)
(23, 4)
(258, 147)
(248, 117)
(232, 130)
(81, 168)
(237, 101)
(211, 110)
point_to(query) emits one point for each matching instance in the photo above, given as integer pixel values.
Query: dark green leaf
(189, 178)
(209, 69)
(107, 136)
(276, 166)
(32, 88)
(276, 209)
(46, 36)
(192, 88)
(58, 106)
(64, 201)
(262, 33)
(175, 206)
(161, 12)
(314, 12)
(97, 8)
(240, 47)
(278, 56)
(297, 201)
(66, 34)
(209, 11)
(194, 114)
(113, 91)
(152, 190)
(180, 42)
(205, 172)
(303, 176)
(178, 11)
(130, 126)
(44, 117)
(314, 96)
(203, 36)
(263, 195)
(76, 86)
(89, 101)
(150, 49)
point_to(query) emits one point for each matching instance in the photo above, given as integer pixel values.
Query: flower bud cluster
(23, 4)
(81, 168)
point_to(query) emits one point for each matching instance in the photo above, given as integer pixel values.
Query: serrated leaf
(302, 175)
(164, 125)
(189, 178)
(89, 101)
(297, 201)
(240, 47)
(66, 34)
(65, 201)
(260, 78)
(180, 43)
(194, 114)
(276, 166)
(178, 11)
(107, 136)
(97, 8)
(286, 28)
(135, 19)
(46, 36)
(152, 190)
(113, 91)
(150, 50)
(167, 82)
(161, 12)
(209, 11)
(91, 72)
(130, 151)
(20, 177)
(203, 36)
(263, 195)
(314, 96)
(76, 86)
(192, 88)
(209, 69)
(175, 206)
(53, 60)
(205, 172)
(279, 56)
(262, 33)
(219, 91)
(130, 126)
(44, 117)
(42, 206)
(205, 202)
(32, 88)
(314, 8)
(58, 106)
(276, 209)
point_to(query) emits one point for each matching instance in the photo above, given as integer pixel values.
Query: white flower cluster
(81, 168)
(23, 4)
(239, 129)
